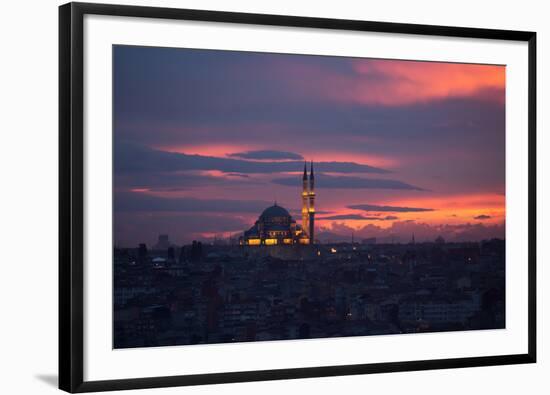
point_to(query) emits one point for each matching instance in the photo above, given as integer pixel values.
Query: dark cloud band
(348, 182)
(138, 158)
(266, 155)
(391, 209)
(358, 217)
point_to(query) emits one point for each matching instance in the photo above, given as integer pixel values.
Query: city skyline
(205, 140)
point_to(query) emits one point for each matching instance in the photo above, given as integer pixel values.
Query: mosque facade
(275, 226)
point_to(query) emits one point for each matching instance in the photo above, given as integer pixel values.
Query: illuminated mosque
(275, 226)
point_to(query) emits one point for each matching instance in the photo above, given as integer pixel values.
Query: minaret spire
(305, 207)
(311, 196)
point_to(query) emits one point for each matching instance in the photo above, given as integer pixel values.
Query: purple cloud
(130, 201)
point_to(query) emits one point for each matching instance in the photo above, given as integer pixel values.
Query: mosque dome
(273, 212)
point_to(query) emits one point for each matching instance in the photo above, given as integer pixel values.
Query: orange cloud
(453, 209)
(397, 82)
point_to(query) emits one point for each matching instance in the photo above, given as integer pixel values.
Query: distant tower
(311, 206)
(305, 195)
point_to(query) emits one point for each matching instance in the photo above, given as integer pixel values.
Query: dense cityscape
(225, 292)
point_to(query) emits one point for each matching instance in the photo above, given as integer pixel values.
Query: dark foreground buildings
(233, 293)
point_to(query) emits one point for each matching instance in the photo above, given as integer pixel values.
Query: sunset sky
(205, 140)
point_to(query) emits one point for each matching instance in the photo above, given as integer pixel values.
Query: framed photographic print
(253, 197)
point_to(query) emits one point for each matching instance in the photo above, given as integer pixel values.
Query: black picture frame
(71, 172)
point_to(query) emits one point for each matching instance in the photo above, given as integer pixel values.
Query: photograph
(278, 196)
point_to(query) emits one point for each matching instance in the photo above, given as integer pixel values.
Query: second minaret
(305, 197)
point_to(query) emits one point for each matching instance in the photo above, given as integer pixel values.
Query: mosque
(275, 226)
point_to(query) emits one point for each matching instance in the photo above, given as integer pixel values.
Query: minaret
(305, 194)
(311, 206)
